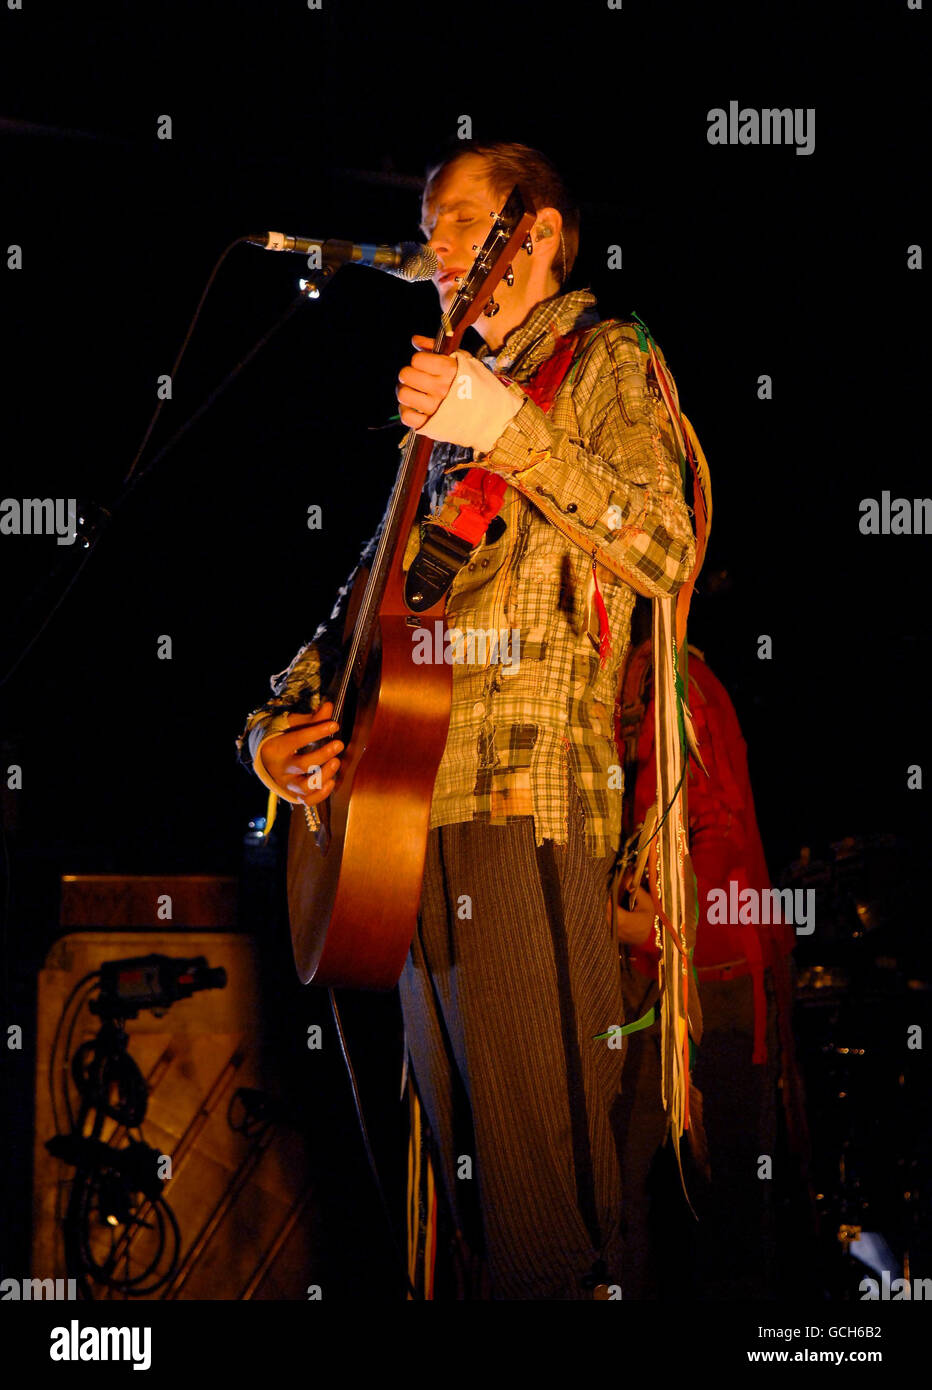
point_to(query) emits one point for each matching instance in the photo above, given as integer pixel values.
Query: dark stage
(784, 284)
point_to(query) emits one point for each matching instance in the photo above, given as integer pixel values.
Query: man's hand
(634, 927)
(424, 383)
(310, 776)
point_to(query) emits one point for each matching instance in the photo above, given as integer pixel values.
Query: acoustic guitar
(356, 861)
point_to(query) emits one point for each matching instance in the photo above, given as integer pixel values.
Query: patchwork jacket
(594, 479)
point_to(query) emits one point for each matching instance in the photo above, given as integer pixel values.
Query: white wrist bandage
(475, 410)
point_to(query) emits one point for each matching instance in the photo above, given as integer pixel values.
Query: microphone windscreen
(417, 262)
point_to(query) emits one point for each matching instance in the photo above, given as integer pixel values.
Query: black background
(743, 261)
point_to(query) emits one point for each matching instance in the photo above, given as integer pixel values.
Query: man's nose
(440, 245)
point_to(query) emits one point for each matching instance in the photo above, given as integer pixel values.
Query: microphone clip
(312, 284)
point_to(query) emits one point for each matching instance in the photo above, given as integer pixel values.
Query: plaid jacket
(595, 477)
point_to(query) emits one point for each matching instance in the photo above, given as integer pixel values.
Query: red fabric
(605, 636)
(478, 498)
(724, 839)
(479, 495)
(549, 376)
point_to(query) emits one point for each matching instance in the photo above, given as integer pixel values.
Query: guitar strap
(448, 539)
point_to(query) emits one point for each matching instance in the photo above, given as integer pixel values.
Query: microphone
(407, 261)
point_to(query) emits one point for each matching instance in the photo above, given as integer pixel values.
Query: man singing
(503, 1005)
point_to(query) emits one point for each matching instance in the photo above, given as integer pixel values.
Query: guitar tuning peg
(528, 244)
(509, 277)
(491, 309)
(475, 246)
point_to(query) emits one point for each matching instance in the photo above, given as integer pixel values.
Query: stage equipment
(171, 1154)
(409, 260)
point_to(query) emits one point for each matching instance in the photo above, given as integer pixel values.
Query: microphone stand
(91, 519)
(320, 277)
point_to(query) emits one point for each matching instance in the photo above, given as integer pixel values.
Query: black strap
(435, 566)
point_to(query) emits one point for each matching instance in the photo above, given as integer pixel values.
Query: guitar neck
(412, 474)
(384, 586)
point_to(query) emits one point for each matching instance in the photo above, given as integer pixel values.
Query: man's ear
(548, 226)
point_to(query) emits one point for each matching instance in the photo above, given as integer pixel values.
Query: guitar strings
(374, 590)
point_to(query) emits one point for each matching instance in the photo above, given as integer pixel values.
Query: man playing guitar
(513, 971)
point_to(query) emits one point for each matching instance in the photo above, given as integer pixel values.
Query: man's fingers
(322, 713)
(423, 385)
(315, 798)
(433, 364)
(319, 776)
(633, 928)
(413, 419)
(417, 400)
(316, 755)
(319, 723)
(313, 733)
(314, 777)
(421, 381)
(311, 798)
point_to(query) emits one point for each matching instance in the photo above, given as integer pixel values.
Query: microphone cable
(132, 477)
(370, 1155)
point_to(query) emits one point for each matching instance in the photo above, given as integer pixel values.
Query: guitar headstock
(509, 233)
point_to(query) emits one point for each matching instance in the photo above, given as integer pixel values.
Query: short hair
(538, 178)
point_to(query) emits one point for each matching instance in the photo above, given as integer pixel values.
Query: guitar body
(355, 885)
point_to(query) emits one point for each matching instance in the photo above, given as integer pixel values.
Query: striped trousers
(512, 971)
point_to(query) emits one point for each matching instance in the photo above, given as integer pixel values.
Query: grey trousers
(512, 971)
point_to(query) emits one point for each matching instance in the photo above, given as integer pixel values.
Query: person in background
(746, 1054)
